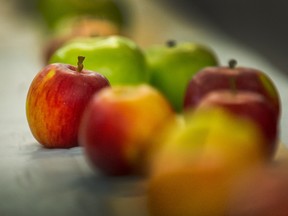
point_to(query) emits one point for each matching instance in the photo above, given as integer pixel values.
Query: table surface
(37, 181)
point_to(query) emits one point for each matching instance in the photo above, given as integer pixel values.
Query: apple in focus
(119, 125)
(249, 105)
(56, 100)
(116, 57)
(244, 79)
(172, 65)
(197, 164)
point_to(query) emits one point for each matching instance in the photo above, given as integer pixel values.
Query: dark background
(259, 24)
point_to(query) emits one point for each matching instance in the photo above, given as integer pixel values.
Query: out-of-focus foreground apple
(261, 192)
(252, 106)
(193, 169)
(119, 126)
(56, 100)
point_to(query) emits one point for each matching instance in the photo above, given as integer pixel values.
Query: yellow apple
(192, 170)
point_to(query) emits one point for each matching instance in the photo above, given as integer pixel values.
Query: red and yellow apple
(56, 100)
(249, 105)
(193, 170)
(242, 78)
(119, 125)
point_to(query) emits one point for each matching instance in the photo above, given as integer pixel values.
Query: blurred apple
(171, 67)
(248, 105)
(72, 28)
(243, 79)
(261, 192)
(56, 100)
(193, 170)
(54, 11)
(116, 57)
(119, 126)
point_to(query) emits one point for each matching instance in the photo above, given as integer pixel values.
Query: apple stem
(80, 63)
(232, 63)
(171, 43)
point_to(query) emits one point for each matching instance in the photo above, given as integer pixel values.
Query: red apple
(56, 100)
(249, 105)
(119, 125)
(216, 78)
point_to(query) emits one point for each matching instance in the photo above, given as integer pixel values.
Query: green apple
(171, 66)
(54, 11)
(116, 57)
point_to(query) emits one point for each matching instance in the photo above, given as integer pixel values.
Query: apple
(248, 105)
(72, 28)
(197, 164)
(246, 79)
(261, 192)
(116, 57)
(172, 65)
(56, 100)
(53, 11)
(119, 125)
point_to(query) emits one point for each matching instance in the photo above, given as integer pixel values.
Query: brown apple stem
(80, 63)
(171, 43)
(232, 63)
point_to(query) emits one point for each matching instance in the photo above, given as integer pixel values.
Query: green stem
(80, 63)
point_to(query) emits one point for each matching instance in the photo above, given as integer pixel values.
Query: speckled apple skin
(56, 100)
(118, 130)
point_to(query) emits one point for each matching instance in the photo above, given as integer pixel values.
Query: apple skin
(171, 67)
(193, 171)
(116, 57)
(56, 100)
(119, 125)
(248, 105)
(216, 78)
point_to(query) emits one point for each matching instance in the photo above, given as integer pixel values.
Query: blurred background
(251, 31)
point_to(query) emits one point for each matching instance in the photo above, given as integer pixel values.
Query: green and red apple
(119, 125)
(56, 100)
(172, 65)
(194, 169)
(118, 58)
(242, 78)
